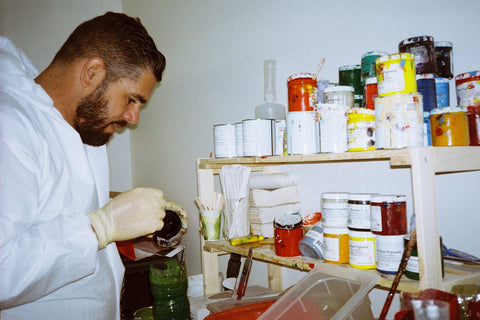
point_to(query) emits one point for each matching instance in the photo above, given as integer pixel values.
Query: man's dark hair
(121, 41)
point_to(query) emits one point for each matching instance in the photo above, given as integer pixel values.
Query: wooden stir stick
(401, 269)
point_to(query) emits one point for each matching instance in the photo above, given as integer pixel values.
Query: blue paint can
(426, 86)
(442, 88)
(427, 135)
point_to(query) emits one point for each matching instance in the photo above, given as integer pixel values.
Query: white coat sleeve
(40, 250)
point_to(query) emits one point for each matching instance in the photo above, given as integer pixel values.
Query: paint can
(412, 270)
(239, 139)
(449, 127)
(302, 132)
(280, 137)
(468, 88)
(426, 86)
(444, 59)
(335, 248)
(370, 93)
(473, 114)
(302, 92)
(442, 90)
(350, 76)
(359, 211)
(427, 135)
(312, 243)
(333, 127)
(257, 137)
(423, 47)
(396, 74)
(335, 209)
(368, 69)
(389, 252)
(288, 233)
(361, 249)
(224, 140)
(343, 95)
(399, 121)
(360, 129)
(388, 214)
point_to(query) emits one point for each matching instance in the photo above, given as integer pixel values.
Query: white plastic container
(333, 127)
(302, 132)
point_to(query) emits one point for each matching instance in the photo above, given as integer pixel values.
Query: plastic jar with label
(389, 252)
(423, 47)
(335, 247)
(339, 95)
(388, 214)
(449, 127)
(312, 244)
(335, 209)
(359, 211)
(288, 233)
(361, 249)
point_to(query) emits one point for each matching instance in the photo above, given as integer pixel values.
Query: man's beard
(92, 118)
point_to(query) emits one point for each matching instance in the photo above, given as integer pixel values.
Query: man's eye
(130, 101)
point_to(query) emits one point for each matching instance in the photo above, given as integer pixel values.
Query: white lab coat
(50, 267)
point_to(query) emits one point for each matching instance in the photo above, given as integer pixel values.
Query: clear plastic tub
(320, 295)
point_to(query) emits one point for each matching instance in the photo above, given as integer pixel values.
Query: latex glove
(129, 215)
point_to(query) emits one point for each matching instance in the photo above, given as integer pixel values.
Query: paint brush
(245, 274)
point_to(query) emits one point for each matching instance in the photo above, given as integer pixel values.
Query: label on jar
(359, 216)
(362, 249)
(376, 218)
(335, 214)
(412, 265)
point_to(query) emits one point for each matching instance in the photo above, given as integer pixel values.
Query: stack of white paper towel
(271, 195)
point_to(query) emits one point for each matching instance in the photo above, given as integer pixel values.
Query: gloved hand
(129, 215)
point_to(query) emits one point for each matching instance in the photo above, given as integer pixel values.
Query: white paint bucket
(302, 132)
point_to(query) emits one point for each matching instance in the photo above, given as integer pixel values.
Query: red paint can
(302, 92)
(388, 214)
(473, 114)
(371, 92)
(288, 233)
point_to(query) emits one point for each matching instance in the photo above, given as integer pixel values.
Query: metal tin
(389, 251)
(280, 137)
(442, 90)
(257, 137)
(335, 248)
(288, 233)
(388, 214)
(444, 59)
(359, 211)
(333, 127)
(426, 86)
(312, 243)
(449, 127)
(302, 132)
(468, 88)
(368, 69)
(370, 93)
(335, 209)
(361, 249)
(239, 139)
(396, 74)
(399, 121)
(361, 129)
(302, 92)
(473, 114)
(350, 76)
(224, 140)
(423, 47)
(343, 95)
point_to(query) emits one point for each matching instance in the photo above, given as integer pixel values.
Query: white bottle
(270, 109)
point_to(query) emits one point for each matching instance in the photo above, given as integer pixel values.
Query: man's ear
(92, 73)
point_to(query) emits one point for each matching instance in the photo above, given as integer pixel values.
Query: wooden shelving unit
(425, 163)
